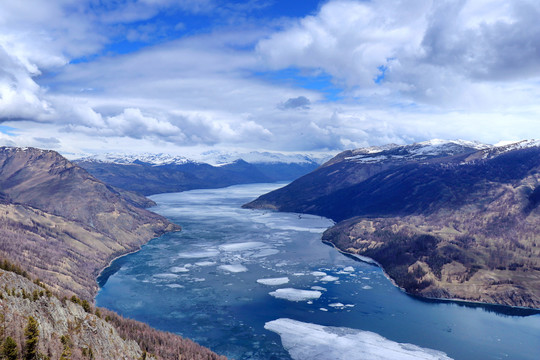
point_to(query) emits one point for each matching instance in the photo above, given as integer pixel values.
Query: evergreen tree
(31, 333)
(9, 349)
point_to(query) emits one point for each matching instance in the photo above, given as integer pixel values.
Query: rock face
(78, 331)
(58, 318)
(62, 224)
(446, 220)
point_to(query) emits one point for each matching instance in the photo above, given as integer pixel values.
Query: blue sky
(186, 76)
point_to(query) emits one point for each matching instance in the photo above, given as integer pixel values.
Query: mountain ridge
(458, 223)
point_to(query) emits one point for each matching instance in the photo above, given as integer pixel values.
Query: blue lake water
(230, 272)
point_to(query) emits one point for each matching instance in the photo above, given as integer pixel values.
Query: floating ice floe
(319, 288)
(175, 286)
(248, 245)
(318, 273)
(366, 287)
(292, 294)
(178, 269)
(274, 281)
(166, 276)
(205, 263)
(198, 254)
(234, 268)
(329, 278)
(348, 269)
(337, 305)
(306, 341)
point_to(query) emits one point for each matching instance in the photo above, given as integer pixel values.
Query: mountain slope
(64, 225)
(458, 224)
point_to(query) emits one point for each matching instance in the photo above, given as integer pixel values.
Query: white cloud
(410, 71)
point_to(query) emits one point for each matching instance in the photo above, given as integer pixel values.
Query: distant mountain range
(446, 219)
(159, 173)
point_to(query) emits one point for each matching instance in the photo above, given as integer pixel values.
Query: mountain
(445, 219)
(64, 225)
(160, 173)
(59, 226)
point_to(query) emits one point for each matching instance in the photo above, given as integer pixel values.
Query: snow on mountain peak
(416, 151)
(127, 159)
(212, 157)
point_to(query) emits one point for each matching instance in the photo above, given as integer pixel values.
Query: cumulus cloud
(426, 50)
(409, 71)
(300, 102)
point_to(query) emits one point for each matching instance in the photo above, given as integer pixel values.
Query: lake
(252, 284)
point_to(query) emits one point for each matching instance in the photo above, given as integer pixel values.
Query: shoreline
(371, 261)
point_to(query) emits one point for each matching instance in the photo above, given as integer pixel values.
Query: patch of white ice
(337, 305)
(329, 278)
(205, 263)
(318, 273)
(274, 281)
(198, 254)
(320, 288)
(178, 269)
(292, 294)
(248, 245)
(234, 268)
(306, 341)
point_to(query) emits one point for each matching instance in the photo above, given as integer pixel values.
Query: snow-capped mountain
(417, 151)
(127, 159)
(214, 158)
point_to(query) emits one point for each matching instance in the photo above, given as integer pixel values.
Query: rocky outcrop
(75, 329)
(87, 332)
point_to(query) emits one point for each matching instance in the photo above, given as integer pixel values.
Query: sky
(181, 76)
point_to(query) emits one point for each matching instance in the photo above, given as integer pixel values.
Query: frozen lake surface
(261, 285)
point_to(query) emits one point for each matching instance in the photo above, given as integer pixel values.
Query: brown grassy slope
(487, 252)
(62, 224)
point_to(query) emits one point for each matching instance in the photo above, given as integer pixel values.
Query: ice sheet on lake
(205, 263)
(178, 269)
(198, 254)
(274, 281)
(234, 268)
(166, 276)
(292, 294)
(265, 253)
(249, 245)
(306, 341)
